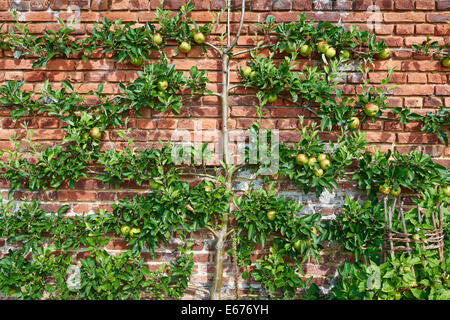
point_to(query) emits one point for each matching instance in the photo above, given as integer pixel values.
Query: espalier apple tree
(173, 208)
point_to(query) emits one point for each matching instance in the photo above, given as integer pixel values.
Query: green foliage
(306, 176)
(359, 229)
(38, 263)
(299, 238)
(126, 42)
(41, 244)
(282, 280)
(109, 277)
(414, 171)
(432, 47)
(301, 32)
(53, 166)
(394, 280)
(145, 91)
(432, 122)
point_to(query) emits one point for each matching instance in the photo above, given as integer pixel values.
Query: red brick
(59, 4)
(261, 5)
(425, 4)
(404, 4)
(404, 17)
(412, 90)
(442, 90)
(39, 5)
(421, 66)
(385, 4)
(64, 195)
(37, 16)
(362, 5)
(417, 138)
(425, 29)
(443, 5)
(404, 29)
(120, 5)
(442, 17)
(301, 4)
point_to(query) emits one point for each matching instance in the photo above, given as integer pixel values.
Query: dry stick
(235, 266)
(404, 228)
(390, 228)
(441, 248)
(386, 231)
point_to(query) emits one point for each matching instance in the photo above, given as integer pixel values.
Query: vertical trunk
(219, 254)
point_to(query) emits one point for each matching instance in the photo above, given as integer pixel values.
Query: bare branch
(252, 49)
(241, 23)
(219, 51)
(234, 86)
(214, 232)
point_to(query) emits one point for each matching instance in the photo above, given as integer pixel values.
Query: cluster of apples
(319, 164)
(131, 232)
(386, 189)
(322, 46)
(184, 46)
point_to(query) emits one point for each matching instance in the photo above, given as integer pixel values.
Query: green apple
(371, 109)
(185, 47)
(385, 53)
(272, 98)
(331, 52)
(199, 37)
(354, 124)
(134, 231)
(446, 62)
(321, 157)
(345, 54)
(318, 172)
(305, 50)
(157, 39)
(291, 47)
(298, 245)
(271, 215)
(384, 189)
(301, 159)
(312, 161)
(136, 61)
(153, 185)
(163, 85)
(125, 230)
(446, 190)
(322, 46)
(325, 164)
(95, 133)
(246, 71)
(396, 191)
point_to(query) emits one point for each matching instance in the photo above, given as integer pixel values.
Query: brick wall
(422, 85)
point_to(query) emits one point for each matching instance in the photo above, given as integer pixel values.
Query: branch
(253, 48)
(203, 175)
(214, 232)
(233, 44)
(219, 51)
(234, 86)
(198, 289)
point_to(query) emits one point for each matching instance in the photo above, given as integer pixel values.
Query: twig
(253, 48)
(238, 33)
(219, 51)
